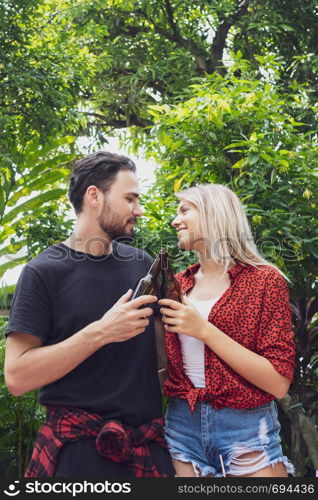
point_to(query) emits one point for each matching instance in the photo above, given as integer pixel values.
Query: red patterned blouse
(255, 312)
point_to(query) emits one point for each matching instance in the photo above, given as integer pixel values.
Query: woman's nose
(175, 221)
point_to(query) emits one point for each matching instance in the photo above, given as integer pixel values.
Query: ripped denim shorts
(212, 440)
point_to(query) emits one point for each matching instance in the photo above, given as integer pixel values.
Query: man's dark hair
(97, 169)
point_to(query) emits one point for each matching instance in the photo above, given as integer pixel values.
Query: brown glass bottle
(170, 287)
(148, 285)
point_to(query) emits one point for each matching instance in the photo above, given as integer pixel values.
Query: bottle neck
(166, 269)
(164, 262)
(148, 278)
(155, 268)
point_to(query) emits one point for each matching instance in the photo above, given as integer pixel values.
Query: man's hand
(125, 319)
(30, 365)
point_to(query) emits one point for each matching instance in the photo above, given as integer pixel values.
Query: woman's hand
(182, 318)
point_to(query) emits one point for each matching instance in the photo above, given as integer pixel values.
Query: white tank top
(192, 349)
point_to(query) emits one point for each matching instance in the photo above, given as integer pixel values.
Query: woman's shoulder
(267, 271)
(180, 275)
(266, 275)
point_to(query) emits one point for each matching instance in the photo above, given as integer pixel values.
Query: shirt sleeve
(276, 335)
(31, 309)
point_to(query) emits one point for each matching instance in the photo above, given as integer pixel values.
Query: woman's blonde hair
(224, 226)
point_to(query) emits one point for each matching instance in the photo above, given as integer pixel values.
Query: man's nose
(138, 210)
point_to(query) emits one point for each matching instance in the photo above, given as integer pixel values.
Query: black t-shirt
(61, 291)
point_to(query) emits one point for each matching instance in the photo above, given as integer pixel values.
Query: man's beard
(113, 225)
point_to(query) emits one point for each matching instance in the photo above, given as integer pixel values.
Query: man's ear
(93, 196)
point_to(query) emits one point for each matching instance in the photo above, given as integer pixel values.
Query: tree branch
(198, 55)
(250, 50)
(219, 41)
(173, 36)
(155, 85)
(178, 39)
(127, 29)
(170, 19)
(131, 120)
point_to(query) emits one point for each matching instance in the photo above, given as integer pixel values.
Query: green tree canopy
(216, 90)
(245, 133)
(39, 92)
(149, 51)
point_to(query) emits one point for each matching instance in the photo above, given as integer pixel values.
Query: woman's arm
(185, 319)
(253, 367)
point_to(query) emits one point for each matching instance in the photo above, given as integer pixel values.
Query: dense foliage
(249, 135)
(216, 91)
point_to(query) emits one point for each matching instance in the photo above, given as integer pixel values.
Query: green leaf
(284, 163)
(252, 158)
(240, 163)
(267, 157)
(273, 176)
(177, 183)
(13, 247)
(35, 202)
(11, 264)
(286, 27)
(2, 201)
(47, 179)
(164, 138)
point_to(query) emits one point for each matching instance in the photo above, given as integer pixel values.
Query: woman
(229, 346)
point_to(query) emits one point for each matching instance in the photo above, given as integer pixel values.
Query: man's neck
(90, 242)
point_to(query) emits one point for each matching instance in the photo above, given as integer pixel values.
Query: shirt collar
(233, 273)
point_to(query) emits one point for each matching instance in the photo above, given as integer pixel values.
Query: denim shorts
(213, 440)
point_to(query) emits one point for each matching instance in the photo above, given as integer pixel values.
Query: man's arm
(29, 364)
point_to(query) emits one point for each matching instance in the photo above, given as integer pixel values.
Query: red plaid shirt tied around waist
(114, 440)
(255, 312)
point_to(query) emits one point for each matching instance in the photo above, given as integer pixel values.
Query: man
(75, 333)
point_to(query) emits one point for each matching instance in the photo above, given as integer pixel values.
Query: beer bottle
(170, 287)
(148, 285)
